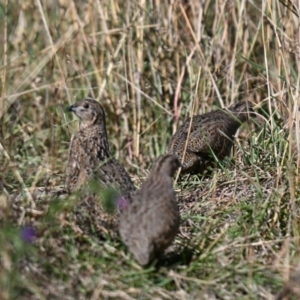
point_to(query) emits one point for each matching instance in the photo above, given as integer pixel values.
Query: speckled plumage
(209, 132)
(90, 161)
(150, 222)
(89, 155)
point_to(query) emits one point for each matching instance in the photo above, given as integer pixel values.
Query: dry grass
(151, 65)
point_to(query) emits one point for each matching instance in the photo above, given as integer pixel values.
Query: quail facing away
(90, 159)
(210, 132)
(150, 222)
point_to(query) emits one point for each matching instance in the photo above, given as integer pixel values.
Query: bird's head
(166, 165)
(89, 111)
(242, 110)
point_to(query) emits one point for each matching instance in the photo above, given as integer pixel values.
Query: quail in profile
(89, 154)
(90, 160)
(150, 222)
(211, 134)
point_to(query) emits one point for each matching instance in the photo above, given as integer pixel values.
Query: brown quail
(150, 222)
(211, 134)
(90, 162)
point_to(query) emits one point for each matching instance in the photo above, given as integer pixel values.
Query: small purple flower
(122, 203)
(28, 234)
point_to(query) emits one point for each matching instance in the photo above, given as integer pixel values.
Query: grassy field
(151, 64)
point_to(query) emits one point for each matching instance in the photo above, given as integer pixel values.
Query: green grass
(151, 65)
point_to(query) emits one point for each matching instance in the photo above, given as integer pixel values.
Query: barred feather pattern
(210, 133)
(90, 161)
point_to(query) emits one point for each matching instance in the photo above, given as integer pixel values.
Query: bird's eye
(86, 105)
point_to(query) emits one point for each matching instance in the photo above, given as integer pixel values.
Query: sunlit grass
(151, 65)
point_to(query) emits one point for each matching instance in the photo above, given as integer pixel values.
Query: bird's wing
(206, 136)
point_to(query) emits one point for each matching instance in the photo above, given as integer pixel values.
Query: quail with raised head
(90, 160)
(89, 154)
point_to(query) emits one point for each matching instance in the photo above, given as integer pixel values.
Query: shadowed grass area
(151, 65)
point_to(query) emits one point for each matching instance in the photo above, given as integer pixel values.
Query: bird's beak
(71, 108)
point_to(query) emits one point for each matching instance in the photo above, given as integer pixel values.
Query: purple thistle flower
(122, 203)
(28, 234)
